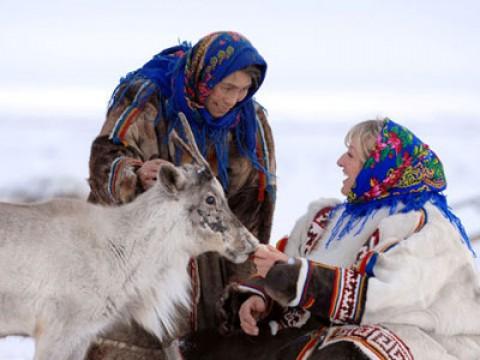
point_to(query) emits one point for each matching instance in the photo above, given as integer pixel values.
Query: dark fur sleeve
(105, 158)
(232, 299)
(113, 166)
(330, 293)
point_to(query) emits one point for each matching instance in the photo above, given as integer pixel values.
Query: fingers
(158, 162)
(263, 266)
(148, 172)
(250, 330)
(265, 257)
(246, 314)
(249, 312)
(249, 327)
(268, 251)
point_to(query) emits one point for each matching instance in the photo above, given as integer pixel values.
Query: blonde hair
(367, 132)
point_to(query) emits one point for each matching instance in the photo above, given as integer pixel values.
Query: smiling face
(227, 93)
(351, 162)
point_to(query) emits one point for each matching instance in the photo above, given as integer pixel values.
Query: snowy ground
(49, 157)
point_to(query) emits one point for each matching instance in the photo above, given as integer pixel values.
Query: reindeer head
(214, 226)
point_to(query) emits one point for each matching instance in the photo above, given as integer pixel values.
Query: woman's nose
(231, 99)
(340, 161)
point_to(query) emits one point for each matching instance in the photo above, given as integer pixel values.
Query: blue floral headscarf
(185, 77)
(400, 170)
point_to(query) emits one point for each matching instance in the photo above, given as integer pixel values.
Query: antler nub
(191, 148)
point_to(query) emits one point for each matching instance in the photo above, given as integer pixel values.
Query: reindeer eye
(210, 200)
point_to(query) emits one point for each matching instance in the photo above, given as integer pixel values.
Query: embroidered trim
(367, 257)
(368, 247)
(375, 341)
(316, 229)
(347, 296)
(388, 246)
(422, 221)
(368, 263)
(291, 318)
(316, 338)
(301, 281)
(249, 289)
(128, 116)
(263, 156)
(262, 178)
(115, 169)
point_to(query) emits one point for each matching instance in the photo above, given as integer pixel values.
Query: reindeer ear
(171, 178)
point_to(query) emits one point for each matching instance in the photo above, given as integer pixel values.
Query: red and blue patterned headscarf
(402, 173)
(186, 76)
(399, 165)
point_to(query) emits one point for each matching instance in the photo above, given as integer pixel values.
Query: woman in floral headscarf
(213, 84)
(387, 274)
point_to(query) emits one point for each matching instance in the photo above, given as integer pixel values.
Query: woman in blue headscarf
(213, 84)
(388, 273)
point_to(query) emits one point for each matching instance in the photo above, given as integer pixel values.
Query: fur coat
(399, 286)
(423, 285)
(113, 181)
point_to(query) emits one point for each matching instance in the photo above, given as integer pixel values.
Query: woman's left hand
(265, 256)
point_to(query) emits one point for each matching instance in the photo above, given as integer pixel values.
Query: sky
(409, 58)
(331, 64)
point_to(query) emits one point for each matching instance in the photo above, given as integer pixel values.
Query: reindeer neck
(147, 221)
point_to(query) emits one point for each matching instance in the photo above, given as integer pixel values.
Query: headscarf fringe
(354, 214)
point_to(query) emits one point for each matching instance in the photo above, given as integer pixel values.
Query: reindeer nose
(253, 244)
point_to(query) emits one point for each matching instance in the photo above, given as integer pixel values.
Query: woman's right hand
(148, 172)
(250, 312)
(265, 257)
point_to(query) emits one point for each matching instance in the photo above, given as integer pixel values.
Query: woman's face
(351, 162)
(227, 93)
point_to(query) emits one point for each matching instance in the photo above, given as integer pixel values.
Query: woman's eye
(210, 200)
(227, 88)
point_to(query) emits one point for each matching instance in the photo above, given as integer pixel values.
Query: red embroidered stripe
(379, 341)
(307, 281)
(336, 286)
(422, 221)
(315, 338)
(309, 303)
(262, 184)
(363, 264)
(262, 181)
(117, 165)
(346, 296)
(126, 124)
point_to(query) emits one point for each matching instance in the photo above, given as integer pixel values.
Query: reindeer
(70, 269)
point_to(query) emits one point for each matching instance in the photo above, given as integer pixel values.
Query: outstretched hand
(265, 257)
(250, 311)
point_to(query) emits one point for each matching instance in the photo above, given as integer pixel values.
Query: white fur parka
(425, 288)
